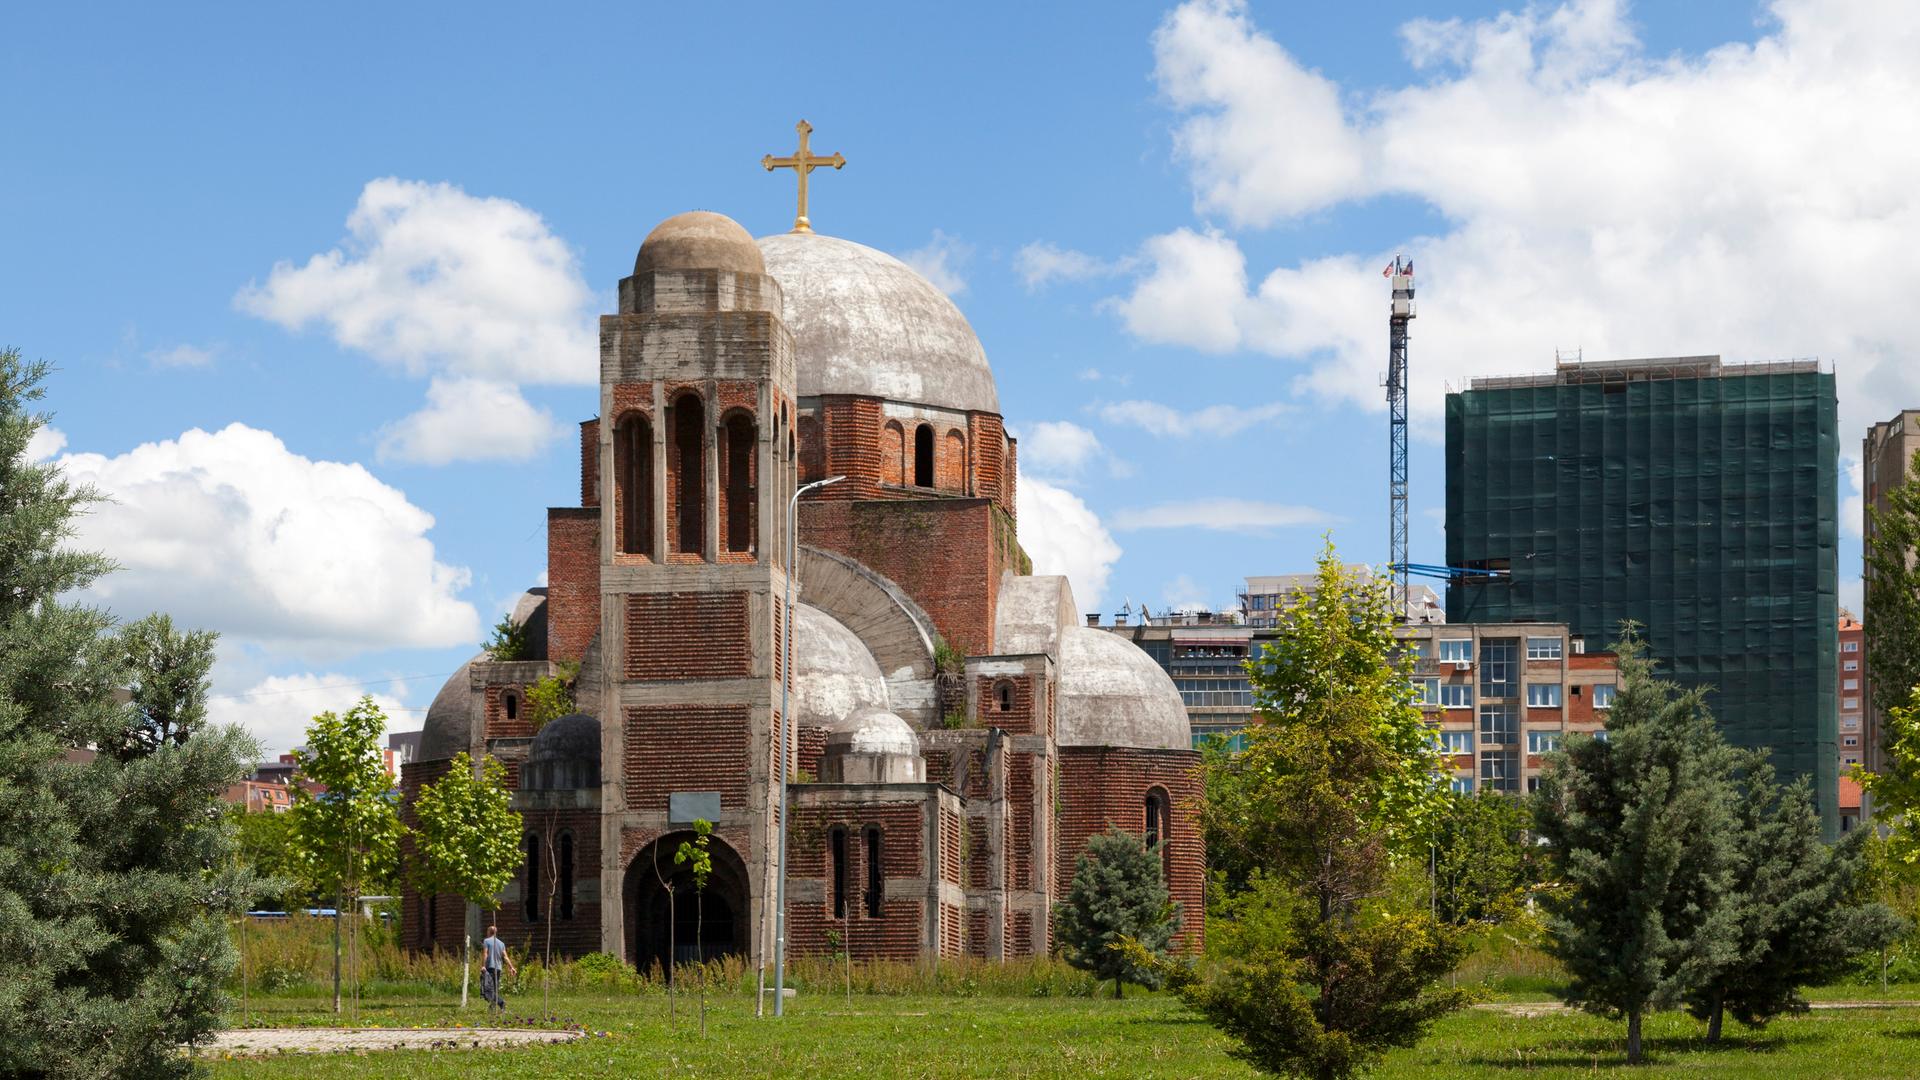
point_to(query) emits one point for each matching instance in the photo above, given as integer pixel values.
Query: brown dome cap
(699, 240)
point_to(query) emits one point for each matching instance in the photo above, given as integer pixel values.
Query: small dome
(699, 240)
(833, 671)
(1113, 694)
(448, 729)
(865, 323)
(871, 730)
(565, 756)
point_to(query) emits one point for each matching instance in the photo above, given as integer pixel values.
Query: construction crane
(1400, 314)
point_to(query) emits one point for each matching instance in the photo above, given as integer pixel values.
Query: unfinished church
(960, 733)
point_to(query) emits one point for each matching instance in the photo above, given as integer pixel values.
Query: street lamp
(786, 741)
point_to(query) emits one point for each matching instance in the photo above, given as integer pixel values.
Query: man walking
(493, 954)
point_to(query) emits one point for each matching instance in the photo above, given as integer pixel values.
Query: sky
(320, 283)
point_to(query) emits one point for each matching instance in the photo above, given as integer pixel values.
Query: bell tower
(695, 462)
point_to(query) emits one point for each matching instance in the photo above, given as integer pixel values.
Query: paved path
(1553, 1008)
(318, 1040)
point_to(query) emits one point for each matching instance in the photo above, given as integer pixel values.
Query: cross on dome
(802, 162)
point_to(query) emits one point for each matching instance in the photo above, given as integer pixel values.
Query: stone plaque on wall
(685, 807)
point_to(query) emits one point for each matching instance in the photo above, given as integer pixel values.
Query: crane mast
(1401, 313)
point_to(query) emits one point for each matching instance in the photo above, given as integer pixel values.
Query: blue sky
(1165, 223)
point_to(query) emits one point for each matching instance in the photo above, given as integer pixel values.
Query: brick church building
(960, 732)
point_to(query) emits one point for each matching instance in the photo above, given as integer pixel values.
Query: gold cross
(802, 163)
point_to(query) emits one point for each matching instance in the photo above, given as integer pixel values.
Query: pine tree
(1119, 893)
(1641, 831)
(169, 681)
(1794, 902)
(467, 838)
(1336, 785)
(115, 873)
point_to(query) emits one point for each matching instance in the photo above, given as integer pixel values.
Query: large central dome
(865, 323)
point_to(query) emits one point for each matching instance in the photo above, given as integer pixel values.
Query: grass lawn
(1146, 1035)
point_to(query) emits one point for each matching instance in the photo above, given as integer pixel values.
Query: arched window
(1159, 831)
(686, 478)
(510, 704)
(837, 856)
(742, 509)
(953, 470)
(876, 881)
(893, 453)
(633, 482)
(532, 897)
(923, 456)
(1003, 696)
(565, 876)
(813, 450)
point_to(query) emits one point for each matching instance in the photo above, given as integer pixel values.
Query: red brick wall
(573, 581)
(896, 934)
(574, 936)
(939, 551)
(590, 462)
(1019, 719)
(687, 636)
(660, 759)
(1102, 786)
(498, 726)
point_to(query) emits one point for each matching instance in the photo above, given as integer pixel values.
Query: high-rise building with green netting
(1694, 497)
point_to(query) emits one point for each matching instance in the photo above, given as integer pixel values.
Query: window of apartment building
(1461, 784)
(1426, 693)
(1850, 740)
(1850, 665)
(1851, 723)
(1498, 771)
(1543, 695)
(1850, 759)
(1849, 646)
(1603, 695)
(1418, 648)
(1499, 725)
(1500, 667)
(1456, 650)
(1542, 742)
(1543, 648)
(1851, 704)
(1454, 742)
(1850, 684)
(1456, 696)
(1533, 784)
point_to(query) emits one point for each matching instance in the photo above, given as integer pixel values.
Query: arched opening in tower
(686, 926)
(686, 496)
(633, 478)
(742, 506)
(923, 456)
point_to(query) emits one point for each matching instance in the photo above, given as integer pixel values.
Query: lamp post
(786, 742)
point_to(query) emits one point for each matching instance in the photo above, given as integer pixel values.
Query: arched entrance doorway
(683, 925)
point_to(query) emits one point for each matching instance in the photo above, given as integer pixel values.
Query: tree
(1642, 835)
(263, 847)
(693, 854)
(1335, 784)
(1892, 597)
(168, 671)
(1793, 900)
(509, 641)
(548, 699)
(1119, 892)
(1483, 863)
(346, 828)
(116, 873)
(467, 838)
(1896, 788)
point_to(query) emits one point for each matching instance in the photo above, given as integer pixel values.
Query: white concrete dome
(865, 323)
(872, 730)
(834, 673)
(1113, 694)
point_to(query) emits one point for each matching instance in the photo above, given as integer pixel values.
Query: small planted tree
(693, 855)
(1643, 837)
(1335, 786)
(1483, 862)
(1793, 899)
(1119, 894)
(346, 827)
(467, 838)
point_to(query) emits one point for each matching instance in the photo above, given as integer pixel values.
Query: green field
(1149, 1035)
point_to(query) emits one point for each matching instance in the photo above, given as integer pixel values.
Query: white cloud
(442, 283)
(940, 262)
(231, 531)
(1853, 595)
(1058, 449)
(1043, 262)
(45, 442)
(1742, 201)
(1064, 536)
(181, 356)
(1185, 594)
(1166, 421)
(278, 709)
(470, 420)
(1853, 504)
(1221, 515)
